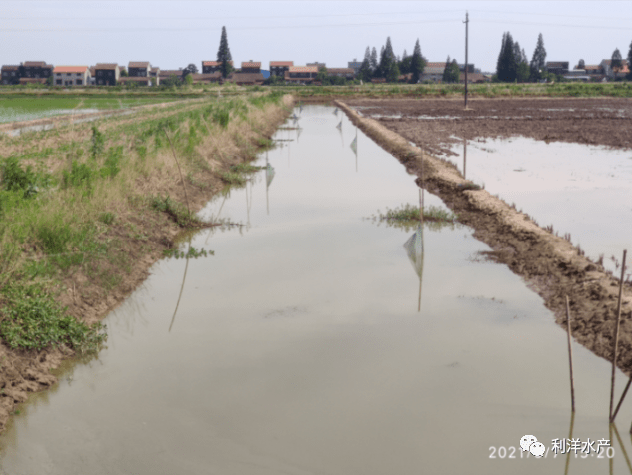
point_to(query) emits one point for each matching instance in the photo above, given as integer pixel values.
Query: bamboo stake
(570, 436)
(180, 171)
(616, 333)
(570, 354)
(610, 461)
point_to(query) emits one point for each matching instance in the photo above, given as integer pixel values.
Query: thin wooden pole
(467, 21)
(616, 333)
(610, 461)
(180, 171)
(570, 354)
(570, 436)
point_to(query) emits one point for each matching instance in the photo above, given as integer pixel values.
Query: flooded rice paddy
(314, 341)
(8, 114)
(580, 190)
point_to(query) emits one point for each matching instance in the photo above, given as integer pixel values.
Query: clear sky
(172, 34)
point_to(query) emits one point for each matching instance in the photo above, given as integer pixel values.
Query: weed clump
(245, 168)
(175, 210)
(233, 178)
(192, 252)
(32, 320)
(409, 212)
(17, 179)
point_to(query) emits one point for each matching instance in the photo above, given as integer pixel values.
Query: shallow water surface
(581, 190)
(315, 342)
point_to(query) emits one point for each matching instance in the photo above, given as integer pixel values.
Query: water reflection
(464, 155)
(354, 147)
(184, 278)
(415, 250)
(269, 178)
(625, 453)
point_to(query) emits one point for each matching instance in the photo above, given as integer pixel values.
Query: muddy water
(311, 343)
(582, 190)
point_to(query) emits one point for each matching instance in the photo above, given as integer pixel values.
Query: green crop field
(20, 107)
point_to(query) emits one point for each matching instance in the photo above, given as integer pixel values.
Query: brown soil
(22, 371)
(593, 121)
(550, 265)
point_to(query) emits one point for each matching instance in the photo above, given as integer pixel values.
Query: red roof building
(71, 75)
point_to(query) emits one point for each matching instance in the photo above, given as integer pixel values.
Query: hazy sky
(172, 34)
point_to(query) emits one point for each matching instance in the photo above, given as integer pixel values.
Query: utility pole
(466, 65)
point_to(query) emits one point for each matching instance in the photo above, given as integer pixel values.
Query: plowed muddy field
(435, 124)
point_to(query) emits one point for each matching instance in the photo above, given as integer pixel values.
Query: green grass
(245, 168)
(233, 178)
(30, 319)
(20, 106)
(409, 212)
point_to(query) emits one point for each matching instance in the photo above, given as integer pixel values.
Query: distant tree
(581, 64)
(500, 55)
(172, 81)
(451, 73)
(629, 76)
(388, 67)
(522, 64)
(417, 63)
(223, 54)
(392, 74)
(379, 71)
(616, 60)
(188, 79)
(50, 81)
(445, 70)
(405, 64)
(506, 66)
(373, 60)
(321, 75)
(538, 60)
(124, 73)
(190, 69)
(365, 69)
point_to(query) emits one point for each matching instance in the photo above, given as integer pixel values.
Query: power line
(280, 17)
(207, 28)
(552, 15)
(586, 27)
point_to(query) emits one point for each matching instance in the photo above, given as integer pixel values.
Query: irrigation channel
(316, 341)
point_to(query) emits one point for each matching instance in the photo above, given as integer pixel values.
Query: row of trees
(389, 66)
(513, 65)
(616, 61)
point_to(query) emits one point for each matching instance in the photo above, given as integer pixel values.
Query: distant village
(142, 73)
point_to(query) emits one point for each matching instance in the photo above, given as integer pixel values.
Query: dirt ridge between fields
(550, 265)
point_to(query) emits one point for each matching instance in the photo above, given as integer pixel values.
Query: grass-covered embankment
(85, 209)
